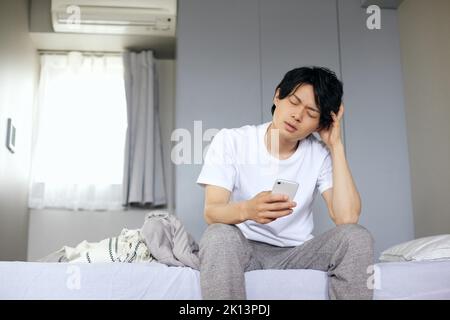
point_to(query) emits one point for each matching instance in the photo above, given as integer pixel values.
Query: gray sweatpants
(344, 252)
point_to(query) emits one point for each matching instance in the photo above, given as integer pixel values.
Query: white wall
(49, 230)
(18, 77)
(425, 44)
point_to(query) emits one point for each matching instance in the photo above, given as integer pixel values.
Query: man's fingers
(277, 206)
(275, 197)
(334, 116)
(341, 111)
(337, 117)
(276, 214)
(264, 221)
(269, 216)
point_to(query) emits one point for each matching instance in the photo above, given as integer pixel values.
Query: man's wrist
(243, 211)
(338, 147)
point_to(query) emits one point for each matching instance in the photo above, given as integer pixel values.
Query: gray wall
(18, 77)
(375, 127)
(425, 43)
(49, 230)
(227, 72)
(218, 82)
(287, 41)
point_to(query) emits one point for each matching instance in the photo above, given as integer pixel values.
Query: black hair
(328, 90)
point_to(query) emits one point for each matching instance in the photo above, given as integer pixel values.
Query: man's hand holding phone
(266, 207)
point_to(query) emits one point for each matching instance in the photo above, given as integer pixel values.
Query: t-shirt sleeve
(325, 179)
(218, 166)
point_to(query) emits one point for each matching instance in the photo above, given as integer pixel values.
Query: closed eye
(294, 100)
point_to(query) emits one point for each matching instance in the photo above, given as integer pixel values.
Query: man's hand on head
(332, 136)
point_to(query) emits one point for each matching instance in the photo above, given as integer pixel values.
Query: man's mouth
(290, 127)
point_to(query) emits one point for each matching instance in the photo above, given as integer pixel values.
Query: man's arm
(343, 200)
(265, 207)
(218, 209)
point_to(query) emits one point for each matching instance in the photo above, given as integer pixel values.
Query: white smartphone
(286, 187)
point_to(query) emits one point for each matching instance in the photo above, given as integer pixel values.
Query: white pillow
(428, 248)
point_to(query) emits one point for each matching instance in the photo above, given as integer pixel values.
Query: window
(79, 134)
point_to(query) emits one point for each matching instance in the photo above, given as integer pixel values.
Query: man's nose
(298, 115)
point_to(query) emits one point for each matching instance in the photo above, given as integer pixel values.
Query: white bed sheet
(413, 280)
(33, 280)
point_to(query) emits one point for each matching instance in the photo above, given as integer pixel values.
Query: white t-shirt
(238, 160)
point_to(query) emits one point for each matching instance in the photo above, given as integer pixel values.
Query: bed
(38, 280)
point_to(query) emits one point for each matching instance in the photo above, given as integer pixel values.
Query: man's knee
(355, 233)
(220, 235)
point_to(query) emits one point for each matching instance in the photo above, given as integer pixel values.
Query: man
(251, 228)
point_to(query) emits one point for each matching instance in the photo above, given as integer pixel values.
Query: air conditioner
(140, 17)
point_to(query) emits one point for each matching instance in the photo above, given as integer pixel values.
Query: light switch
(11, 136)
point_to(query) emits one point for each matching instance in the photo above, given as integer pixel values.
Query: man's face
(299, 110)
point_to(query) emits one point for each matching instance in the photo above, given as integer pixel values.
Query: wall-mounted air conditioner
(141, 17)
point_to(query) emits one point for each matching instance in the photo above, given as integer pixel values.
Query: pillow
(422, 249)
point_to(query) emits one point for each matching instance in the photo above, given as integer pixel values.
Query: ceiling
(383, 4)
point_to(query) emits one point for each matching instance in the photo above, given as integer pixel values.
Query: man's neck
(285, 147)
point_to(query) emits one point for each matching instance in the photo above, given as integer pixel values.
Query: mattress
(34, 280)
(412, 280)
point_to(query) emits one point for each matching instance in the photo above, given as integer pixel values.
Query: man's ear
(276, 96)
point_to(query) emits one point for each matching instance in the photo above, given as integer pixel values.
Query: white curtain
(79, 137)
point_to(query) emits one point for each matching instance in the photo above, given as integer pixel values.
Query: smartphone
(286, 187)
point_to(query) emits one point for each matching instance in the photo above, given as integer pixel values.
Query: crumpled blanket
(128, 246)
(162, 238)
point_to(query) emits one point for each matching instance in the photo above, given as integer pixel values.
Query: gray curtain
(143, 179)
